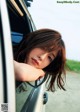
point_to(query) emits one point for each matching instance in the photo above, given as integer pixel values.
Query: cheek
(45, 64)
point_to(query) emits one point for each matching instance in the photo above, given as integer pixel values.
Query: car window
(22, 93)
(21, 24)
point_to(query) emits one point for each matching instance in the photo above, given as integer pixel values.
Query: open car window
(21, 24)
(24, 94)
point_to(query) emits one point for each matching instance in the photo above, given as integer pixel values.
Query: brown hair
(50, 40)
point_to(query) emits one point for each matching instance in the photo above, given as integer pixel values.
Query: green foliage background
(72, 65)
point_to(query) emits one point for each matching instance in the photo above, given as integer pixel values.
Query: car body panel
(7, 58)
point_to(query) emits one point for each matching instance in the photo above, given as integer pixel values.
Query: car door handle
(45, 98)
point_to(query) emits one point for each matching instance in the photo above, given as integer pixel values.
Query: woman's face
(40, 58)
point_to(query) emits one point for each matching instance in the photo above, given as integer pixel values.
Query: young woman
(39, 53)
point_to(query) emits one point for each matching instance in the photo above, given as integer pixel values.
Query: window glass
(22, 93)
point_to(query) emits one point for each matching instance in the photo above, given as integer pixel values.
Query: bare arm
(25, 72)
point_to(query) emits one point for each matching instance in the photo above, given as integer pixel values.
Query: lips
(35, 61)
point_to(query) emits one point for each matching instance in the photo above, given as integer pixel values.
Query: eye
(50, 59)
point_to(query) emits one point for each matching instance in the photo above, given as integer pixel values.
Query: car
(15, 22)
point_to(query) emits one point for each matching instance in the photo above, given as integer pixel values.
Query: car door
(28, 96)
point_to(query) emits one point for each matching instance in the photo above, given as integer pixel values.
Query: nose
(43, 56)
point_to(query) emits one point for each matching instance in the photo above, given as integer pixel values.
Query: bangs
(49, 46)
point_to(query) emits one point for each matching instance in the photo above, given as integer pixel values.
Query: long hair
(49, 40)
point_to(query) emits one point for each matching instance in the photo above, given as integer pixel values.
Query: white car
(16, 21)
